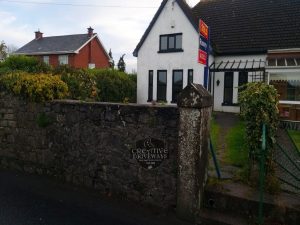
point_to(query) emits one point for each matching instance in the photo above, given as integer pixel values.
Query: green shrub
(115, 86)
(81, 83)
(37, 87)
(24, 63)
(259, 106)
(259, 103)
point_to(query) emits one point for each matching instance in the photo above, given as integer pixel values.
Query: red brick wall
(92, 51)
(53, 60)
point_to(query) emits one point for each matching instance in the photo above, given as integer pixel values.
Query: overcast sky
(119, 23)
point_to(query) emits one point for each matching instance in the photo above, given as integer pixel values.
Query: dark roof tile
(244, 26)
(54, 44)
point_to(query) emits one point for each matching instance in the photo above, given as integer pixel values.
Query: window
(92, 65)
(190, 76)
(170, 43)
(150, 86)
(177, 84)
(63, 59)
(46, 59)
(243, 79)
(161, 85)
(287, 85)
(228, 88)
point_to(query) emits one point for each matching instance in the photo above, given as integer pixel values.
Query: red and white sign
(203, 29)
(203, 40)
(202, 57)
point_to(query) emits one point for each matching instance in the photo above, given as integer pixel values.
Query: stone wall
(92, 144)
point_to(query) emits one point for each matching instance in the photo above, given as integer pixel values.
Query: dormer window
(170, 43)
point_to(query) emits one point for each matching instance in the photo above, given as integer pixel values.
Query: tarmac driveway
(33, 200)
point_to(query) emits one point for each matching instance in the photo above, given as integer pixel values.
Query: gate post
(195, 105)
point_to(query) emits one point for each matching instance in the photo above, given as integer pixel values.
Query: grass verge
(215, 131)
(295, 136)
(236, 151)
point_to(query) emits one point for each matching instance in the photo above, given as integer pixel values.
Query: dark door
(228, 88)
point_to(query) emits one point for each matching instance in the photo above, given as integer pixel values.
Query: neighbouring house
(250, 41)
(77, 50)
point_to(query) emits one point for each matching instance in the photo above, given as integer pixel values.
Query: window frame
(169, 49)
(48, 59)
(188, 76)
(66, 57)
(157, 95)
(150, 85)
(174, 96)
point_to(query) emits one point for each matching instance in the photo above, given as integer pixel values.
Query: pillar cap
(194, 96)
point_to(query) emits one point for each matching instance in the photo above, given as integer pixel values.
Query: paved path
(33, 200)
(226, 121)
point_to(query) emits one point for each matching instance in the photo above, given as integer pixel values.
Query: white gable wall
(150, 59)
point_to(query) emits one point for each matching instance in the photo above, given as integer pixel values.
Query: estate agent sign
(150, 152)
(203, 51)
(203, 42)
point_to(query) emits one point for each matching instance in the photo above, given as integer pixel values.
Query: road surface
(34, 200)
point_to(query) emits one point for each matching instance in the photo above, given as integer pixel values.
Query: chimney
(38, 35)
(90, 32)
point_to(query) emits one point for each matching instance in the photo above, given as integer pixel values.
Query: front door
(228, 88)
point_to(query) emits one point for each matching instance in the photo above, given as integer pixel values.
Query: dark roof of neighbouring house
(55, 44)
(244, 26)
(251, 26)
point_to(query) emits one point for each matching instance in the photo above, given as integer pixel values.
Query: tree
(111, 60)
(121, 64)
(3, 51)
(11, 48)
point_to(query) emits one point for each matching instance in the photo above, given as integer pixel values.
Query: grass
(214, 133)
(236, 151)
(295, 135)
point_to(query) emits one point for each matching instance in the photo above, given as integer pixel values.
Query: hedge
(34, 87)
(28, 77)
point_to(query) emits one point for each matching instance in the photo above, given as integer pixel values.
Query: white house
(250, 40)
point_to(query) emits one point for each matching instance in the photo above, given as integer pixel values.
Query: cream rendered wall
(219, 90)
(150, 59)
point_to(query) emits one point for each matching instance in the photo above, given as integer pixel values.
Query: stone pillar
(195, 105)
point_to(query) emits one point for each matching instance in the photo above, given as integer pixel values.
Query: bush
(37, 88)
(115, 86)
(23, 63)
(259, 106)
(97, 84)
(81, 83)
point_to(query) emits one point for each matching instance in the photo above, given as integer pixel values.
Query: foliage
(259, 106)
(24, 63)
(215, 132)
(37, 87)
(121, 64)
(236, 153)
(84, 84)
(111, 61)
(115, 86)
(81, 83)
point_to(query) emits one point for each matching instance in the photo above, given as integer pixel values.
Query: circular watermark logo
(150, 152)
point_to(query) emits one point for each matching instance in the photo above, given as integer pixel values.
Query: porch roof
(239, 65)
